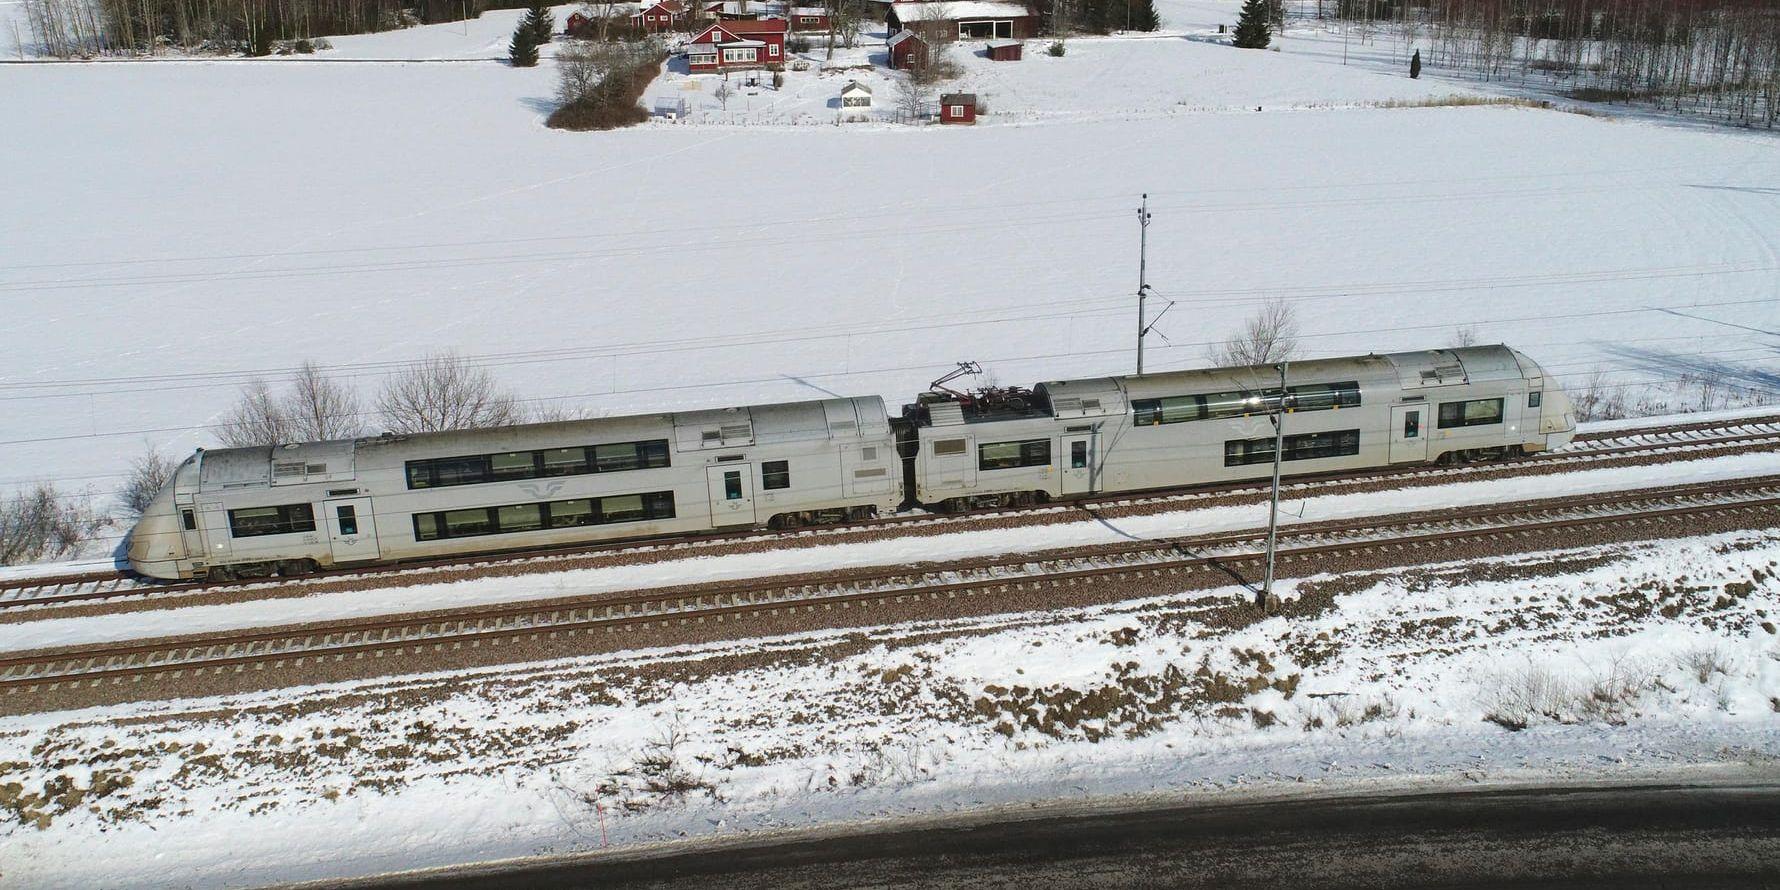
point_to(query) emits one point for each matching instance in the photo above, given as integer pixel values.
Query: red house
(958, 108)
(808, 18)
(736, 46)
(907, 51)
(1005, 50)
(663, 16)
(577, 25)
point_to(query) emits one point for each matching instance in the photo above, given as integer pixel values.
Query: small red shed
(577, 25)
(663, 16)
(907, 51)
(958, 108)
(1007, 50)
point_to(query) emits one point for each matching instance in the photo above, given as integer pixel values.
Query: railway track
(1697, 438)
(415, 635)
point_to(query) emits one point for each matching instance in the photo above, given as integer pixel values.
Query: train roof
(297, 462)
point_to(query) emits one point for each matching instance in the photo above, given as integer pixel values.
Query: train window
(252, 522)
(190, 519)
(626, 508)
(565, 514)
(942, 447)
(1475, 412)
(565, 461)
(732, 485)
(426, 526)
(460, 471)
(420, 474)
(1008, 455)
(775, 474)
(1219, 405)
(1306, 446)
(513, 465)
(1323, 396)
(348, 519)
(1412, 424)
(1078, 455)
(461, 523)
(520, 518)
(1533, 398)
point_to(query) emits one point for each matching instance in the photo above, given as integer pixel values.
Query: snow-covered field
(1578, 666)
(174, 229)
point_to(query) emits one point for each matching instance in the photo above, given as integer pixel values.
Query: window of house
(1473, 412)
(957, 111)
(775, 474)
(1008, 455)
(772, 50)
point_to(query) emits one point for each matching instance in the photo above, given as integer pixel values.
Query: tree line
(67, 28)
(1719, 58)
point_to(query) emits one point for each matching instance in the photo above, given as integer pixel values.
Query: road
(1645, 836)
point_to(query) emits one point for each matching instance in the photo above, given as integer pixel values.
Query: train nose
(157, 544)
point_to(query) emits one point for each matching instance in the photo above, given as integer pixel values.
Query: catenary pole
(1143, 287)
(1265, 601)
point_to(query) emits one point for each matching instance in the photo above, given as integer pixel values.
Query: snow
(1385, 688)
(50, 631)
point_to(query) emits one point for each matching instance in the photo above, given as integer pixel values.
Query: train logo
(542, 492)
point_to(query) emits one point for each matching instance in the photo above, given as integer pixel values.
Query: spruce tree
(1415, 65)
(523, 50)
(1144, 17)
(1251, 26)
(541, 22)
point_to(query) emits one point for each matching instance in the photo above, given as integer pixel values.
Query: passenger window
(1412, 424)
(191, 520)
(1533, 398)
(775, 474)
(732, 485)
(1078, 455)
(348, 520)
(513, 465)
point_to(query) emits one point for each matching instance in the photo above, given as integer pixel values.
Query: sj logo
(541, 491)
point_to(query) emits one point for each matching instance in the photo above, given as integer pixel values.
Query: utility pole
(1266, 601)
(1143, 287)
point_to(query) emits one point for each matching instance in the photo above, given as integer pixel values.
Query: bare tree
(319, 407)
(723, 93)
(149, 473)
(1268, 336)
(913, 98)
(256, 419)
(444, 392)
(41, 524)
(1462, 337)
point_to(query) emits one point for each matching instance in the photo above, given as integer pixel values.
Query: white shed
(855, 101)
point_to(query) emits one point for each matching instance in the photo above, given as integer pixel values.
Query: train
(301, 507)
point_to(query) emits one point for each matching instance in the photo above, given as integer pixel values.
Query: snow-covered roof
(952, 10)
(904, 34)
(854, 86)
(1005, 41)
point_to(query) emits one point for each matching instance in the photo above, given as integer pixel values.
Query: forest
(1716, 58)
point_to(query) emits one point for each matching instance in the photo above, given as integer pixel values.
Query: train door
(1076, 466)
(951, 465)
(351, 529)
(1409, 433)
(732, 494)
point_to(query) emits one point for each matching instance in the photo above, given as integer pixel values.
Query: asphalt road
(1648, 836)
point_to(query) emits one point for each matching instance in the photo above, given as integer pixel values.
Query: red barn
(908, 51)
(736, 46)
(663, 16)
(808, 18)
(958, 108)
(1005, 50)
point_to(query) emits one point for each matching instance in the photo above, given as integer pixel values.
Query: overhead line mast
(1143, 287)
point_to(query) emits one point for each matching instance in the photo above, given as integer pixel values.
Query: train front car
(157, 545)
(1557, 417)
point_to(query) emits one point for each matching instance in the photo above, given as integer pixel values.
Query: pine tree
(1144, 17)
(1251, 26)
(523, 50)
(541, 23)
(1415, 65)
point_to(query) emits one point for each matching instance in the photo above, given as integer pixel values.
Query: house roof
(956, 10)
(958, 99)
(759, 26)
(1005, 42)
(904, 34)
(854, 86)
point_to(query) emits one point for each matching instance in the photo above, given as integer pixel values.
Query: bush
(1056, 48)
(798, 44)
(600, 86)
(149, 473)
(305, 47)
(43, 524)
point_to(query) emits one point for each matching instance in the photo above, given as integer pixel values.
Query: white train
(294, 508)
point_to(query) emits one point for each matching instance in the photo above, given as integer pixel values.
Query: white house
(855, 101)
